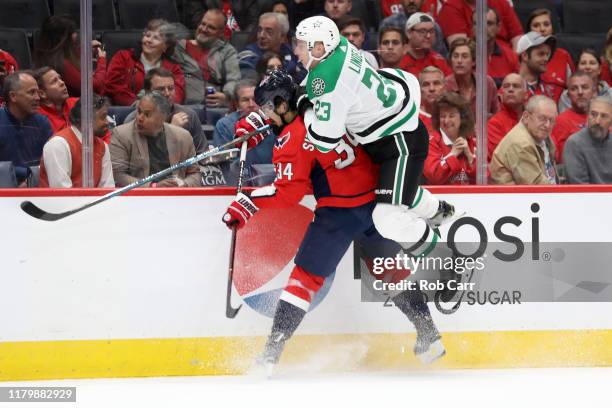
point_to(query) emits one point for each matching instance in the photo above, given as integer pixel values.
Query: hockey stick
(231, 312)
(220, 157)
(455, 307)
(36, 212)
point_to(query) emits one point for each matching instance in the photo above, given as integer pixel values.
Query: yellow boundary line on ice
(232, 355)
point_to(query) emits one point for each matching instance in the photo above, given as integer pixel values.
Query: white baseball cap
(418, 18)
(534, 39)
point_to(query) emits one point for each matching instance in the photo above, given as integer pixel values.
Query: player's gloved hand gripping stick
(34, 211)
(242, 208)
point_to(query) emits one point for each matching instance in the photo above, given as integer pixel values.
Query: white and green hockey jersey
(349, 96)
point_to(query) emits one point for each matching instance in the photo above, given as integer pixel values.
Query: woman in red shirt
(452, 149)
(127, 68)
(560, 64)
(58, 47)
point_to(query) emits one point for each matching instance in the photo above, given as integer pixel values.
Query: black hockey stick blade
(31, 209)
(231, 312)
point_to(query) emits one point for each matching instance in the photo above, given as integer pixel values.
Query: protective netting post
(87, 92)
(481, 91)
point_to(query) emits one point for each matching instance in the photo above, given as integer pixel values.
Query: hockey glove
(303, 103)
(239, 211)
(250, 123)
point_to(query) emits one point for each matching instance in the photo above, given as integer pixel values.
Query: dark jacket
(22, 142)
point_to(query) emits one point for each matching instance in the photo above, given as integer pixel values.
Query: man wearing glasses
(527, 154)
(421, 34)
(209, 62)
(399, 20)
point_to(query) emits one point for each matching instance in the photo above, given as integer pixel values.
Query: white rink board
(156, 267)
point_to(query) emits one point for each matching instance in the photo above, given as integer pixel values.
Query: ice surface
(516, 388)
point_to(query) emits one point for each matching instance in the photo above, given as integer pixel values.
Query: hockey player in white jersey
(379, 109)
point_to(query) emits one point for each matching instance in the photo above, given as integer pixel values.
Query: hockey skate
(428, 347)
(444, 215)
(268, 360)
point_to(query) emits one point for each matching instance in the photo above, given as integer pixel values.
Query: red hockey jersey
(345, 177)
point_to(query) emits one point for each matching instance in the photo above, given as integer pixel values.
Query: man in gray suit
(148, 145)
(162, 81)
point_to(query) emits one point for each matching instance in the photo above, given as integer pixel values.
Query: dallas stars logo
(317, 24)
(318, 86)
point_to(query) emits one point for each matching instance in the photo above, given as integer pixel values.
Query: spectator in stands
(280, 6)
(335, 9)
(561, 64)
(58, 47)
(527, 154)
(580, 92)
(606, 60)
(390, 7)
(456, 17)
(8, 65)
(208, 60)
(224, 129)
(161, 80)
(431, 80)
(271, 31)
(452, 151)
(513, 94)
(241, 15)
(127, 69)
(301, 9)
(55, 102)
(431, 7)
(399, 20)
(534, 51)
(268, 62)
(589, 63)
(354, 31)
(502, 59)
(23, 131)
(61, 165)
(463, 61)
(588, 153)
(391, 46)
(421, 33)
(148, 145)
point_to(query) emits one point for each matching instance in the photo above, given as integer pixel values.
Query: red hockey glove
(250, 123)
(239, 211)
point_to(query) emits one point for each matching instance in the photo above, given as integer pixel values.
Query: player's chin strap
(311, 58)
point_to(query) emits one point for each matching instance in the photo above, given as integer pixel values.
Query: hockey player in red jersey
(343, 184)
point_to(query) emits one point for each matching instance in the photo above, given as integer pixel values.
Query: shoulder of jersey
(323, 78)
